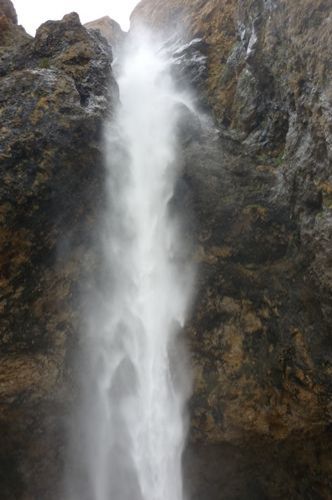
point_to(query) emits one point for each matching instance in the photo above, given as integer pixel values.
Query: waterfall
(132, 423)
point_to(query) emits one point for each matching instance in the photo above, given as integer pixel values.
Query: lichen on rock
(259, 190)
(256, 190)
(55, 91)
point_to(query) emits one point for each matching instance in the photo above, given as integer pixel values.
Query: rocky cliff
(54, 95)
(258, 184)
(260, 188)
(110, 29)
(7, 10)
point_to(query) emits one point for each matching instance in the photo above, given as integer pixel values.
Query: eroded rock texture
(54, 94)
(260, 188)
(258, 184)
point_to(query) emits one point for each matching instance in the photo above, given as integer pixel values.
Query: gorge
(254, 191)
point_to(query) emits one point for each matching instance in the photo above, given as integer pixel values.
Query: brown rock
(9, 31)
(261, 327)
(55, 91)
(260, 193)
(7, 10)
(110, 29)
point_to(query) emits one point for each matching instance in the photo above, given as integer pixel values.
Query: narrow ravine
(133, 418)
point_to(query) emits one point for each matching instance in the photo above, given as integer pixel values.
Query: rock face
(8, 24)
(7, 10)
(110, 29)
(260, 188)
(55, 91)
(258, 183)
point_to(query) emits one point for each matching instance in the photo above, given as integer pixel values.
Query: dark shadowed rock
(260, 189)
(189, 127)
(189, 63)
(55, 91)
(257, 189)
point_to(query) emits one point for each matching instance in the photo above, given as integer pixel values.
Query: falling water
(134, 426)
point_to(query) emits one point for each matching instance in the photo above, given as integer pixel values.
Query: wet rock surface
(257, 182)
(54, 95)
(259, 339)
(189, 66)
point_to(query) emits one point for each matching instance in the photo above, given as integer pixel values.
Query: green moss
(269, 159)
(263, 158)
(327, 201)
(278, 160)
(44, 63)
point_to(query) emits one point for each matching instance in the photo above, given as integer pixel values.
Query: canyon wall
(260, 188)
(55, 91)
(257, 188)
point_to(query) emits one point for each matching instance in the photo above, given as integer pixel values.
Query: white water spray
(134, 424)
